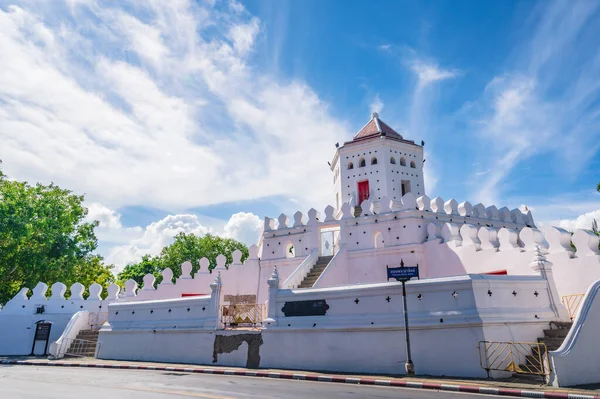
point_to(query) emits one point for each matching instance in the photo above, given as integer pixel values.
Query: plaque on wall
(317, 307)
(42, 332)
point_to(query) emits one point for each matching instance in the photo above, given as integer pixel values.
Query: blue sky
(205, 116)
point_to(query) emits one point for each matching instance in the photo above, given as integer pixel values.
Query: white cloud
(107, 217)
(159, 109)
(243, 35)
(129, 244)
(245, 227)
(154, 237)
(581, 222)
(377, 104)
(429, 73)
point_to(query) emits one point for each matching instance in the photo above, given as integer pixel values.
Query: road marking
(181, 393)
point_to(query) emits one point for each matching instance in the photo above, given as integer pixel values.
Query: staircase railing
(330, 266)
(295, 279)
(514, 357)
(79, 321)
(97, 320)
(572, 303)
(79, 347)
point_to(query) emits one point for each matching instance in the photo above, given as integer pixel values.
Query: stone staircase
(357, 211)
(553, 339)
(84, 345)
(315, 272)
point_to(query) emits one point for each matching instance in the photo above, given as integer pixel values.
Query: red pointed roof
(375, 129)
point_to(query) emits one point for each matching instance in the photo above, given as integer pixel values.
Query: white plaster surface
(577, 361)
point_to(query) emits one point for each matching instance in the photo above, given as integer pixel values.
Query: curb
(321, 378)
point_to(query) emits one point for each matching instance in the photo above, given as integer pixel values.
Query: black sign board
(42, 333)
(316, 307)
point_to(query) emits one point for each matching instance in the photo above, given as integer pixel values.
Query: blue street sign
(403, 273)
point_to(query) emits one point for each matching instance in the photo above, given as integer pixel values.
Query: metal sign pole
(409, 366)
(403, 274)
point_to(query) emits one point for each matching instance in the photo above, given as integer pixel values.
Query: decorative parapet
(303, 235)
(187, 283)
(57, 303)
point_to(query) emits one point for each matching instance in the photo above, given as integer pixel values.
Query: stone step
(561, 325)
(551, 343)
(556, 333)
(86, 338)
(533, 362)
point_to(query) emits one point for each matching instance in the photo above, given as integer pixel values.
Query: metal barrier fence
(242, 315)
(515, 357)
(79, 347)
(572, 303)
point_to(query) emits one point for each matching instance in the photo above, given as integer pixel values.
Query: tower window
(412, 164)
(374, 161)
(362, 163)
(405, 185)
(350, 165)
(393, 160)
(402, 161)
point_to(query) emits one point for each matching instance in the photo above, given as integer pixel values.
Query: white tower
(377, 163)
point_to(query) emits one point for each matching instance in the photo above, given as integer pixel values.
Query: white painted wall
(447, 322)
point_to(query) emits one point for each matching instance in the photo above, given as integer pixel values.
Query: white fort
(314, 292)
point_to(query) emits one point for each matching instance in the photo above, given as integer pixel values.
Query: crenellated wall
(455, 250)
(445, 238)
(241, 279)
(18, 317)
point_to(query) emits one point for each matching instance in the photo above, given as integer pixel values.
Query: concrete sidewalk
(517, 387)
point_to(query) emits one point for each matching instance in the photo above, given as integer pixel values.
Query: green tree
(137, 271)
(44, 237)
(186, 247)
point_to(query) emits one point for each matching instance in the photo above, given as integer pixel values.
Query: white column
(273, 282)
(543, 267)
(215, 302)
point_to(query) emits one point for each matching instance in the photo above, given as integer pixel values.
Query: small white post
(543, 267)
(215, 301)
(273, 282)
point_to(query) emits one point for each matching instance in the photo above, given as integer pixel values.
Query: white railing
(330, 267)
(79, 321)
(294, 280)
(97, 320)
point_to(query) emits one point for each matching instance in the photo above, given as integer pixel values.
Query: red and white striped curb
(325, 378)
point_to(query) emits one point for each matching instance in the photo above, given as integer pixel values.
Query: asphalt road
(29, 382)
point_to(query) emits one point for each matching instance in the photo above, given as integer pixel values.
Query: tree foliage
(43, 237)
(186, 247)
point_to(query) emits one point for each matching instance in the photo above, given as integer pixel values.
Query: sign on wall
(317, 307)
(402, 273)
